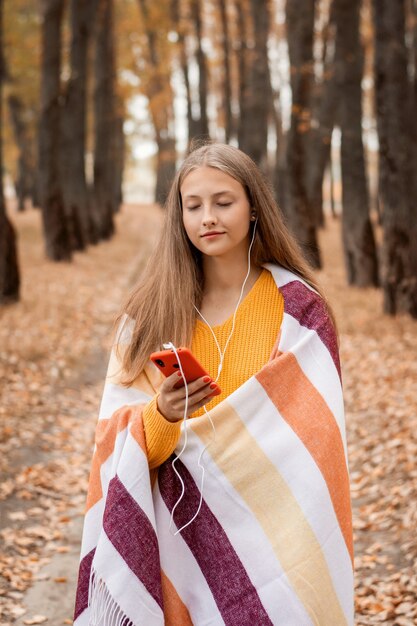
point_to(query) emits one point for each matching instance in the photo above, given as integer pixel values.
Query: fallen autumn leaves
(380, 388)
(53, 356)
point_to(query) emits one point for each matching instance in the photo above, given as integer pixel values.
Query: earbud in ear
(253, 216)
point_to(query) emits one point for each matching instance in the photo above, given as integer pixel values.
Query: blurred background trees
(9, 270)
(321, 94)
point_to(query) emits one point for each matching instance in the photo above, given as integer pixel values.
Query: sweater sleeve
(161, 435)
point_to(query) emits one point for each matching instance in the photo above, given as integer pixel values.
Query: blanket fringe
(104, 610)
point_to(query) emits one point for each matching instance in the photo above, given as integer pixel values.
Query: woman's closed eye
(222, 204)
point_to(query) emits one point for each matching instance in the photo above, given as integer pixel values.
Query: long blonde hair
(161, 304)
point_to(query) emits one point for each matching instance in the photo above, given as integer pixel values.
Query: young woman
(232, 509)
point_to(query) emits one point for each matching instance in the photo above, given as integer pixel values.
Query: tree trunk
(57, 230)
(358, 237)
(192, 124)
(300, 28)
(119, 161)
(325, 113)
(25, 181)
(73, 125)
(161, 104)
(104, 119)
(257, 96)
(227, 89)
(202, 127)
(414, 20)
(397, 158)
(9, 268)
(331, 189)
(243, 53)
(279, 176)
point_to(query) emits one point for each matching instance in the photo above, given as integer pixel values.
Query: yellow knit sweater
(257, 324)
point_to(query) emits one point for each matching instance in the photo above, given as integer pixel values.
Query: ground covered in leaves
(53, 355)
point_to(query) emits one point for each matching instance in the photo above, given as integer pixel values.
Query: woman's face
(216, 212)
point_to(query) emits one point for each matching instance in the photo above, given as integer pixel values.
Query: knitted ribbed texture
(258, 321)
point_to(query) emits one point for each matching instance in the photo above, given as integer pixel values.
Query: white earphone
(222, 353)
(170, 345)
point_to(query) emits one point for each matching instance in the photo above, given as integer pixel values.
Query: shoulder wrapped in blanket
(272, 543)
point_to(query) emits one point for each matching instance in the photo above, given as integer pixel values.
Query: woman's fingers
(172, 400)
(170, 383)
(202, 393)
(198, 384)
(195, 402)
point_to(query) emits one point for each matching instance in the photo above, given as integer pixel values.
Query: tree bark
(202, 126)
(357, 234)
(74, 120)
(321, 136)
(25, 181)
(9, 267)
(331, 188)
(119, 160)
(300, 28)
(257, 96)
(397, 158)
(227, 87)
(104, 120)
(243, 66)
(279, 176)
(57, 231)
(192, 124)
(161, 105)
(414, 14)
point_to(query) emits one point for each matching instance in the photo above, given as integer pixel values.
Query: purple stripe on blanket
(133, 536)
(81, 601)
(232, 589)
(309, 310)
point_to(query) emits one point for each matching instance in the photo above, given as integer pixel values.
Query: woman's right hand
(171, 401)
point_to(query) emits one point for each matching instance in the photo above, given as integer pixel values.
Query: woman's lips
(210, 235)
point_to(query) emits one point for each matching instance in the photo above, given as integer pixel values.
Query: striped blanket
(272, 543)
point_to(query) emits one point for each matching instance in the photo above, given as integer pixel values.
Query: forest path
(54, 348)
(50, 411)
(379, 367)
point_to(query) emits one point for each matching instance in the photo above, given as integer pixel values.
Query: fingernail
(207, 379)
(213, 386)
(179, 374)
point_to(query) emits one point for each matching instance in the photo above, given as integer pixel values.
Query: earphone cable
(222, 353)
(185, 436)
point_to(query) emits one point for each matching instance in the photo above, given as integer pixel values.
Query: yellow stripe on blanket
(283, 525)
(297, 400)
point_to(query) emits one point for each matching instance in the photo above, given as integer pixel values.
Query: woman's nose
(209, 217)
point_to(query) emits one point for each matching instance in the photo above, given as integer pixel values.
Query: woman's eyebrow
(214, 195)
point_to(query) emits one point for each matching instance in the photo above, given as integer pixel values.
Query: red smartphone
(166, 361)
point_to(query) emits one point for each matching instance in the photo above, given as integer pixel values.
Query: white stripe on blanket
(303, 484)
(239, 523)
(129, 596)
(183, 570)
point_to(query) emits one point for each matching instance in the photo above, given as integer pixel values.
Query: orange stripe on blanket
(175, 611)
(137, 430)
(298, 400)
(106, 433)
